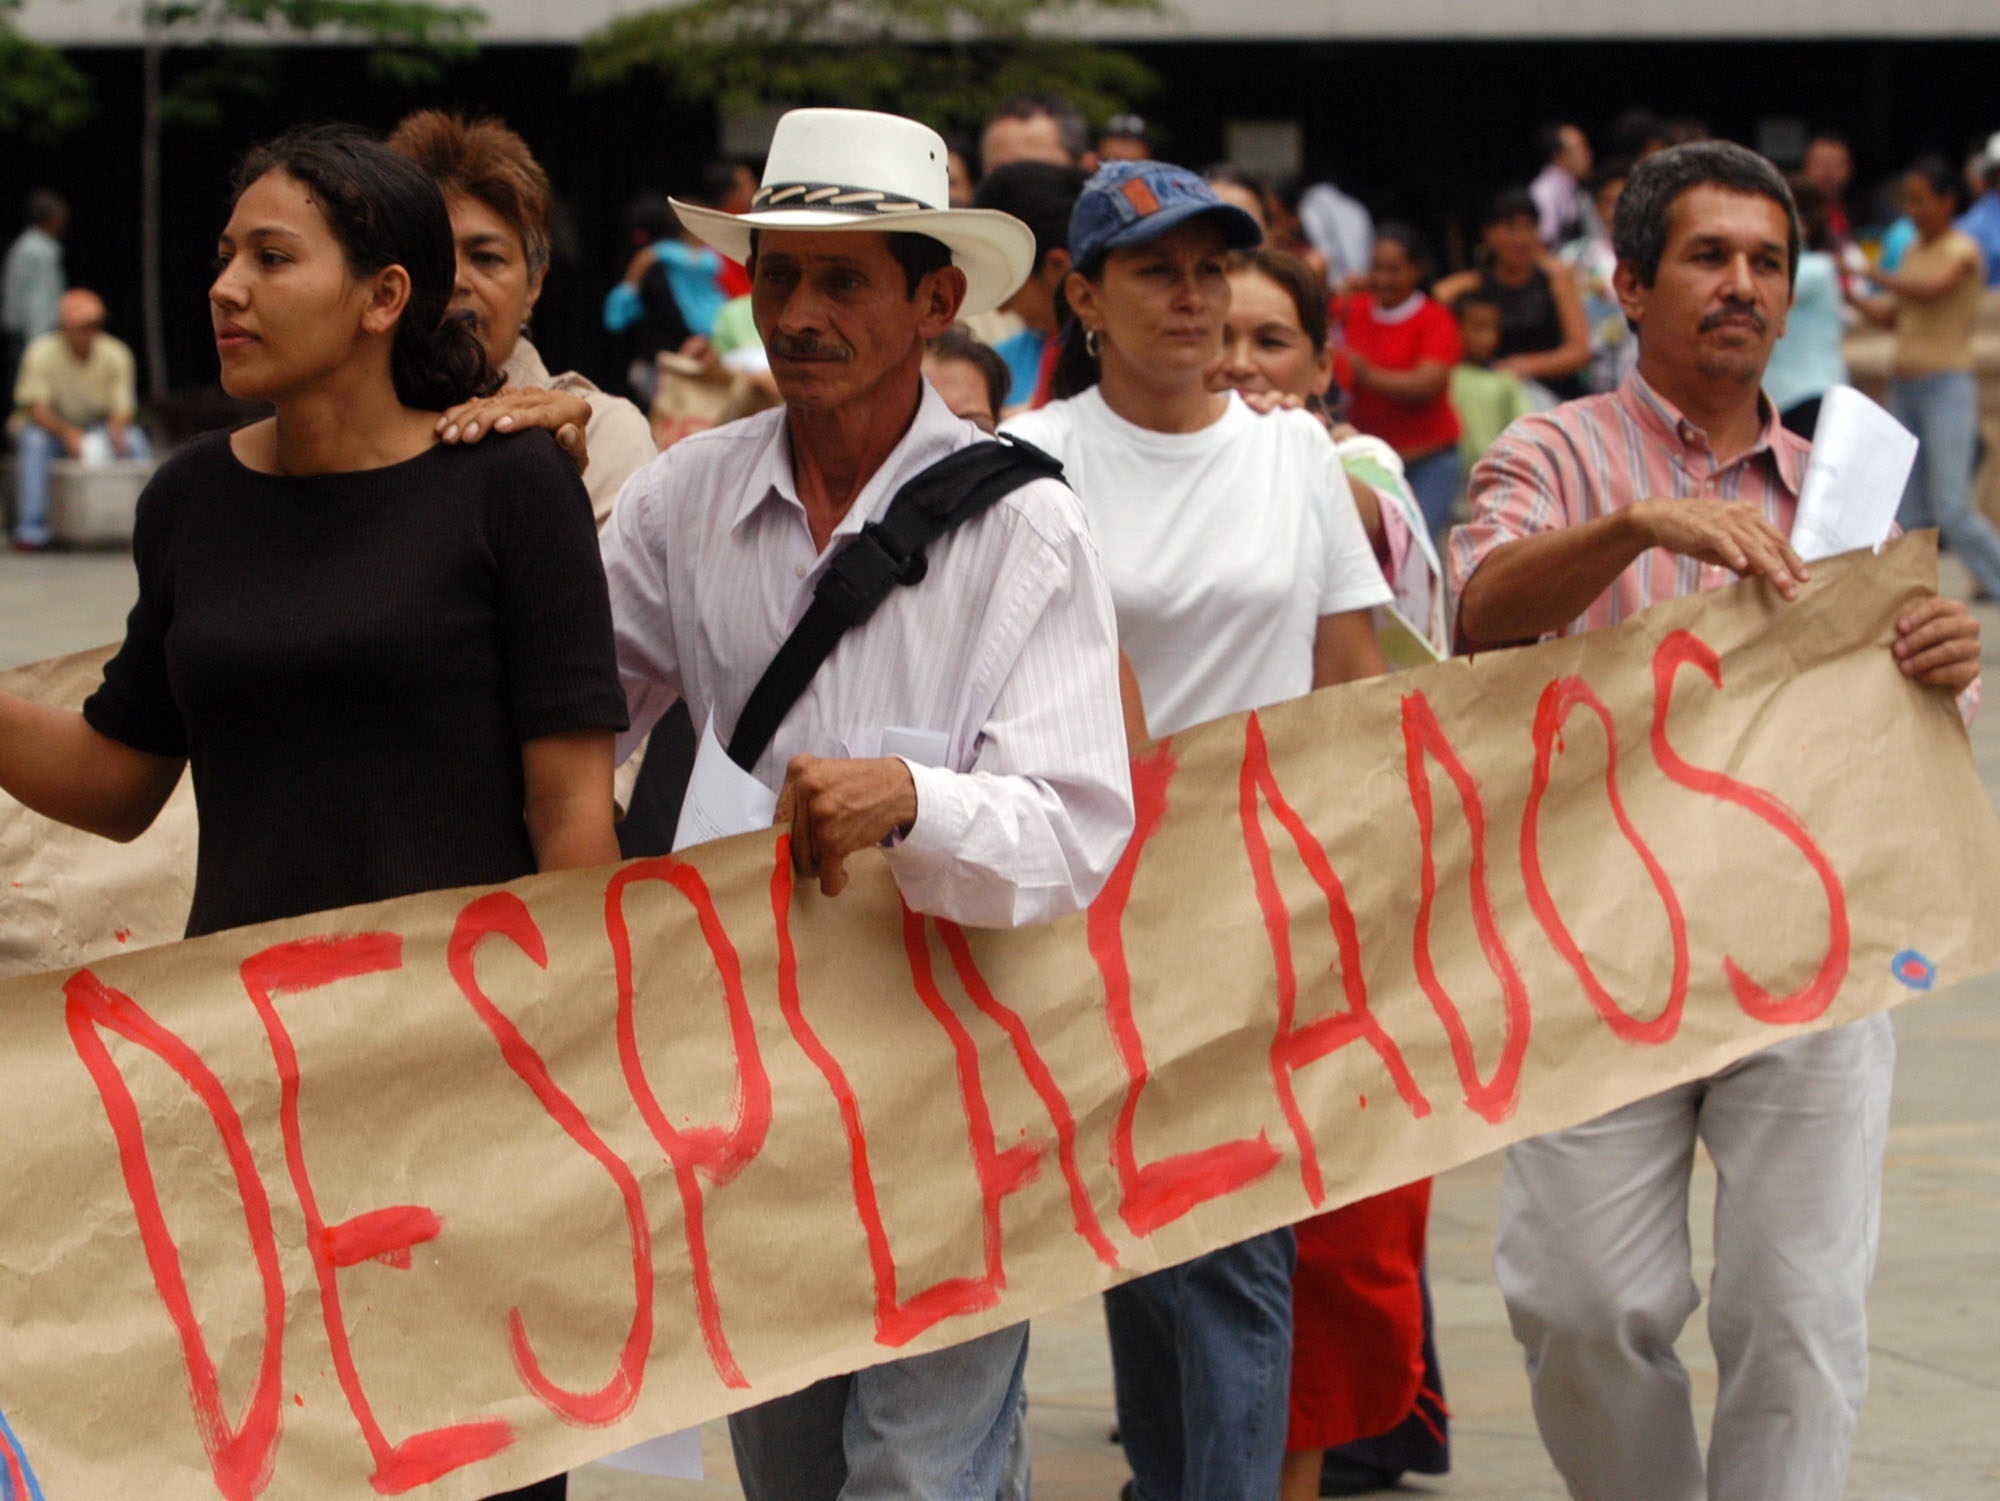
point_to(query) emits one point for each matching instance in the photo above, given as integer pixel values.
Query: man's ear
(1055, 265)
(1632, 296)
(939, 297)
(388, 296)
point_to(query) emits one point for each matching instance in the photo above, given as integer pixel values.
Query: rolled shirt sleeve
(1512, 496)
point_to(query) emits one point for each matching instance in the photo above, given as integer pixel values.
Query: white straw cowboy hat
(832, 169)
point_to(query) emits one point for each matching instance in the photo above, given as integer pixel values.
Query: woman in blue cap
(1241, 577)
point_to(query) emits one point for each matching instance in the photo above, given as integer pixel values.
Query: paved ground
(1928, 1433)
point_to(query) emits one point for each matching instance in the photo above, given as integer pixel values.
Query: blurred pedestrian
(1562, 208)
(1933, 305)
(1035, 128)
(1828, 166)
(1246, 190)
(1982, 219)
(32, 278)
(1808, 359)
(76, 391)
(1341, 229)
(1041, 195)
(1400, 347)
(1544, 336)
(1486, 399)
(1591, 259)
(1125, 138)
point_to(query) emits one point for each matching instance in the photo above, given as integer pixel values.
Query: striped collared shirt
(1004, 658)
(1593, 457)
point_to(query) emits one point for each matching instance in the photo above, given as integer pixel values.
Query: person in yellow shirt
(74, 391)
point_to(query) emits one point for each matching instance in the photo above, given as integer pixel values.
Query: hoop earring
(1093, 343)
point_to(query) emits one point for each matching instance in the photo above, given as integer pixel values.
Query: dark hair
(44, 206)
(1237, 177)
(1611, 169)
(1040, 194)
(385, 210)
(918, 255)
(485, 161)
(1549, 139)
(1415, 246)
(1509, 203)
(1465, 302)
(1938, 175)
(1637, 131)
(957, 343)
(1829, 135)
(1296, 279)
(648, 215)
(1815, 217)
(718, 181)
(1644, 219)
(1072, 130)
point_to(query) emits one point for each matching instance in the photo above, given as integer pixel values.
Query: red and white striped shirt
(1593, 457)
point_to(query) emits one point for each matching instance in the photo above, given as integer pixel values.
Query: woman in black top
(389, 662)
(1544, 333)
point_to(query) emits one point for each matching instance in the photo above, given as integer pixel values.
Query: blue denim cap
(1129, 203)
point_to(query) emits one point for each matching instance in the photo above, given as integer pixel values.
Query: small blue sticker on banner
(1914, 970)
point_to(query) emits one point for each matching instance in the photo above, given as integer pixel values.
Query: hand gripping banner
(448, 1193)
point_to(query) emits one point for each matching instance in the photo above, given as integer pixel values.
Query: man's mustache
(1735, 315)
(785, 347)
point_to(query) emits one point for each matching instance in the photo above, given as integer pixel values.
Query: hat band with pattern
(834, 196)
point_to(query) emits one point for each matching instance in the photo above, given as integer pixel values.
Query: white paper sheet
(1861, 457)
(722, 798)
(677, 1455)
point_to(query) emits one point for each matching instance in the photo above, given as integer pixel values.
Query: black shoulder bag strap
(949, 493)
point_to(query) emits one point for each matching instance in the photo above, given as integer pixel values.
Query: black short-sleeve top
(351, 662)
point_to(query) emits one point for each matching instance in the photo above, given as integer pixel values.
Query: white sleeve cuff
(943, 814)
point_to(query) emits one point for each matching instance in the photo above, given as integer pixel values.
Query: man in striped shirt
(1681, 481)
(970, 727)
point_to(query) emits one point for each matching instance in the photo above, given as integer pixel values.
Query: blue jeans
(1201, 1359)
(935, 1427)
(34, 450)
(1943, 411)
(1435, 480)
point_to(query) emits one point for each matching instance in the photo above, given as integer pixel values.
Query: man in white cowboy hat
(971, 727)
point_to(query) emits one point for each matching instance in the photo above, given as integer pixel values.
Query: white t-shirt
(1223, 547)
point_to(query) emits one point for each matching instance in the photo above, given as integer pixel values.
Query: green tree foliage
(945, 61)
(41, 92)
(408, 43)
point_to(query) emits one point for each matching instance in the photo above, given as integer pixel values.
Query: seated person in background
(74, 384)
(969, 375)
(1485, 399)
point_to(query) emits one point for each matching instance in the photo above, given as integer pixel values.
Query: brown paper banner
(460, 1190)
